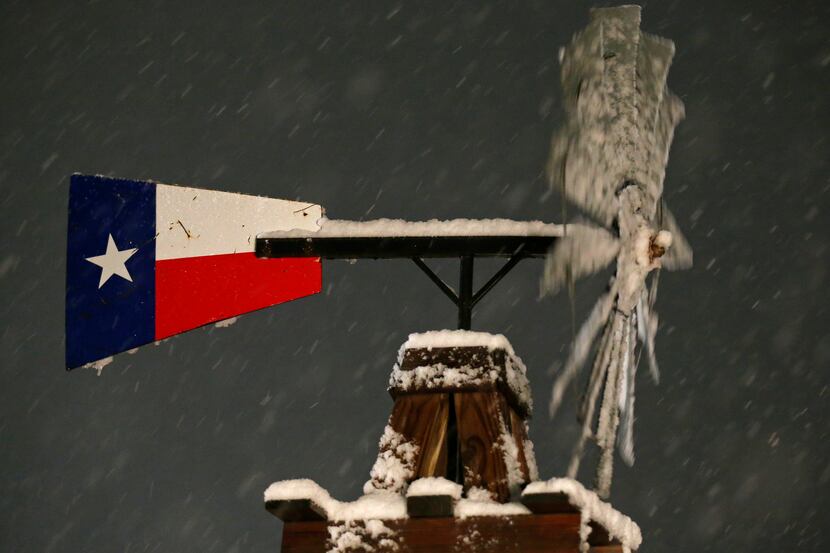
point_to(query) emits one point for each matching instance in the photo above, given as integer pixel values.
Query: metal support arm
(464, 299)
(443, 286)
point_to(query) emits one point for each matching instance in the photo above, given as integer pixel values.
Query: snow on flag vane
(146, 261)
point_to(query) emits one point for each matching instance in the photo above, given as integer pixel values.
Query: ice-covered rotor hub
(660, 244)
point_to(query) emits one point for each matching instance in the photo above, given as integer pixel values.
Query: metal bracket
(465, 300)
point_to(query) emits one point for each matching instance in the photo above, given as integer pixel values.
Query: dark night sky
(416, 112)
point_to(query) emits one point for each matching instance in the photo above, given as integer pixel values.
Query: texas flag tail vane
(146, 261)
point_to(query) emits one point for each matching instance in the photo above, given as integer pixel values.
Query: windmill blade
(585, 250)
(583, 154)
(659, 113)
(679, 256)
(625, 438)
(597, 371)
(589, 402)
(581, 348)
(609, 414)
(619, 116)
(652, 290)
(647, 330)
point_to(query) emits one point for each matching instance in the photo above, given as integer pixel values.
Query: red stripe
(194, 291)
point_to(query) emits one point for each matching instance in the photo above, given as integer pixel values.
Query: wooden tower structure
(455, 469)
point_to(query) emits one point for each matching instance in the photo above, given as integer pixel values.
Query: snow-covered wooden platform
(554, 516)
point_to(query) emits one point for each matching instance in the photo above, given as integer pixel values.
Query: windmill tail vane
(609, 160)
(146, 261)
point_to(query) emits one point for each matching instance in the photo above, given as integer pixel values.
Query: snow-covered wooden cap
(461, 360)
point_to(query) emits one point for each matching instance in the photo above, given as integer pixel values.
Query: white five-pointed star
(113, 262)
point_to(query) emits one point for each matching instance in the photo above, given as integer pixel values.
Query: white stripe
(192, 222)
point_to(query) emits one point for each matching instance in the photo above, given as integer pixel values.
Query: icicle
(624, 368)
(590, 401)
(579, 352)
(625, 440)
(609, 413)
(647, 331)
(599, 366)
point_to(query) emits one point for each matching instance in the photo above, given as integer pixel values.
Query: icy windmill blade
(619, 115)
(609, 159)
(146, 261)
(619, 124)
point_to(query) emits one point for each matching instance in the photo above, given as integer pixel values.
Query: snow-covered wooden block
(461, 360)
(432, 497)
(462, 401)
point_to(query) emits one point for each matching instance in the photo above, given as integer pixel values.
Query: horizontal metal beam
(389, 247)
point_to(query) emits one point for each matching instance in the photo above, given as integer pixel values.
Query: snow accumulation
(363, 517)
(479, 503)
(334, 228)
(530, 456)
(225, 323)
(99, 364)
(434, 486)
(440, 376)
(395, 463)
(592, 508)
(455, 339)
(380, 504)
(510, 454)
(352, 536)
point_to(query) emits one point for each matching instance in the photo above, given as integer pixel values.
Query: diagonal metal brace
(448, 291)
(517, 256)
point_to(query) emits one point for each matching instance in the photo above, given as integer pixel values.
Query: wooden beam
(546, 503)
(430, 505)
(552, 533)
(304, 537)
(294, 510)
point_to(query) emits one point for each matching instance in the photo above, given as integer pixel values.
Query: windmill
(609, 159)
(455, 468)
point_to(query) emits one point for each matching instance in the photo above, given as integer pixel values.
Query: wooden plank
(479, 358)
(430, 505)
(599, 536)
(520, 534)
(422, 420)
(304, 537)
(551, 533)
(291, 510)
(479, 431)
(467, 356)
(515, 534)
(544, 503)
(516, 427)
